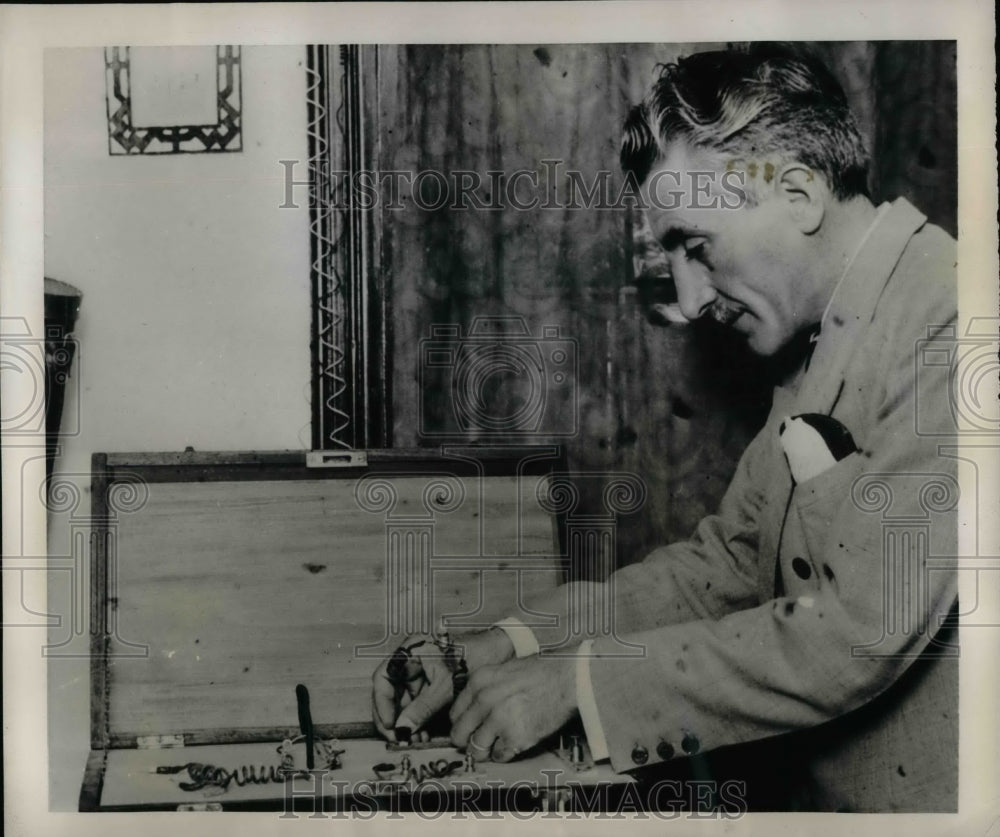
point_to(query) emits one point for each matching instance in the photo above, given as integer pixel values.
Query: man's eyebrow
(676, 236)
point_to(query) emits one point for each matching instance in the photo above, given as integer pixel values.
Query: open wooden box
(222, 580)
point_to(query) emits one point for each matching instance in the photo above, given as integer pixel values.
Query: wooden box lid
(221, 580)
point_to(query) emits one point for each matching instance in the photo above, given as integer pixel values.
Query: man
(807, 605)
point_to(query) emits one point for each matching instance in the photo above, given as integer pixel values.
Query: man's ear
(805, 194)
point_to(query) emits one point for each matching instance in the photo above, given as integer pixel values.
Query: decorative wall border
(124, 138)
(351, 298)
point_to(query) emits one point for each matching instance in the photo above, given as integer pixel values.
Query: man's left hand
(508, 708)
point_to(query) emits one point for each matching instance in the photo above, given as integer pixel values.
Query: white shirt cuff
(521, 636)
(587, 704)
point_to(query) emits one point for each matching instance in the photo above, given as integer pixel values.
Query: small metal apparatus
(406, 774)
(577, 754)
(208, 776)
(438, 742)
(218, 779)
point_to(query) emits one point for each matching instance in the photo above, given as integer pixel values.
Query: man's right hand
(414, 683)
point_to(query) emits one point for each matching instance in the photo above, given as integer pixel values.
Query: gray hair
(761, 100)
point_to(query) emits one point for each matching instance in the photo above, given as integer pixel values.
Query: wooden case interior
(221, 581)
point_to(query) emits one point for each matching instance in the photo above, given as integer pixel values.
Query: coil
(205, 775)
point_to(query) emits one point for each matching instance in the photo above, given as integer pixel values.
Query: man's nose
(695, 293)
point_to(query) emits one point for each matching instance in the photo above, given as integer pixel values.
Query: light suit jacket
(820, 607)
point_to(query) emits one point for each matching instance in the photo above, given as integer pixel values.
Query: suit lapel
(853, 307)
(851, 312)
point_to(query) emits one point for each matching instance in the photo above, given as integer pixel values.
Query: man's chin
(760, 343)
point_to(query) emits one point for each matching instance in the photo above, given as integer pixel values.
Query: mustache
(724, 312)
(657, 296)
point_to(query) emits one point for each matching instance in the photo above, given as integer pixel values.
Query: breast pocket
(817, 501)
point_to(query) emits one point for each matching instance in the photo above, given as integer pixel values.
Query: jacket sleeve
(705, 577)
(871, 606)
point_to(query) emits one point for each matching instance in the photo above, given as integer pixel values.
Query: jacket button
(802, 568)
(690, 744)
(665, 750)
(640, 755)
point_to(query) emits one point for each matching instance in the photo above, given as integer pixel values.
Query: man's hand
(415, 678)
(508, 708)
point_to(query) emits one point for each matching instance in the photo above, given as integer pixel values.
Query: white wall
(194, 328)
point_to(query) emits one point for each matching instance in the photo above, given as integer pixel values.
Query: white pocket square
(812, 443)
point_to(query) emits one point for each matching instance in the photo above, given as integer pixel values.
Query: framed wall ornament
(174, 100)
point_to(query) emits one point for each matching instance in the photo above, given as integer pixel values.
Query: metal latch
(158, 742)
(337, 459)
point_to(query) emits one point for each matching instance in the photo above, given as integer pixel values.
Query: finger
(430, 692)
(384, 710)
(475, 714)
(428, 702)
(414, 686)
(505, 750)
(423, 736)
(481, 679)
(482, 741)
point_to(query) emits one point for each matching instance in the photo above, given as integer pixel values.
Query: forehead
(685, 193)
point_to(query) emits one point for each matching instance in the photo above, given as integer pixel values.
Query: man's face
(746, 267)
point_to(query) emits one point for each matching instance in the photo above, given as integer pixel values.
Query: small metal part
(438, 742)
(330, 754)
(287, 758)
(443, 638)
(336, 459)
(158, 742)
(469, 765)
(384, 770)
(575, 752)
(407, 774)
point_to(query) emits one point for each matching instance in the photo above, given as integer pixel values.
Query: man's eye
(696, 249)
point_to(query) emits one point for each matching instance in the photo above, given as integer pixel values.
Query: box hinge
(158, 742)
(337, 459)
(200, 806)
